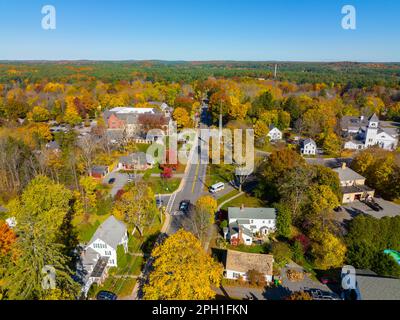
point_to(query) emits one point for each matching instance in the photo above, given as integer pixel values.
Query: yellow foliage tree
(328, 251)
(40, 114)
(182, 270)
(207, 204)
(182, 118)
(71, 115)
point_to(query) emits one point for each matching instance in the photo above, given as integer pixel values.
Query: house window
(108, 253)
(236, 275)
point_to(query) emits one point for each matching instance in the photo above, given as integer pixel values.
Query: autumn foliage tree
(41, 213)
(182, 270)
(7, 239)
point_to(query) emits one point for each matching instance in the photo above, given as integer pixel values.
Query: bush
(282, 253)
(223, 224)
(256, 278)
(297, 252)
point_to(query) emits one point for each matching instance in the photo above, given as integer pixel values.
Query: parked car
(106, 295)
(159, 203)
(327, 280)
(111, 181)
(338, 209)
(184, 206)
(373, 205)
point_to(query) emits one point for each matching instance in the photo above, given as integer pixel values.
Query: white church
(362, 133)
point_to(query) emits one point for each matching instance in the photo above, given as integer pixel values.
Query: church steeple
(372, 131)
(373, 121)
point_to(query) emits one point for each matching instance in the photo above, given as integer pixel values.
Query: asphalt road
(195, 181)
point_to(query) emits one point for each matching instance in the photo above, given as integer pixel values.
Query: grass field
(163, 186)
(227, 196)
(246, 200)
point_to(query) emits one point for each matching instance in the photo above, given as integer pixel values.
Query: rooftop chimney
(362, 118)
(344, 165)
(242, 207)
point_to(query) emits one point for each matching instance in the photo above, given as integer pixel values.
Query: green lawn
(159, 185)
(246, 200)
(142, 147)
(255, 248)
(87, 229)
(227, 196)
(219, 173)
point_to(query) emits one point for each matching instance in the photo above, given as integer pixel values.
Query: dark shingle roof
(374, 287)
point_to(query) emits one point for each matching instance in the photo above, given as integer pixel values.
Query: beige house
(238, 264)
(353, 185)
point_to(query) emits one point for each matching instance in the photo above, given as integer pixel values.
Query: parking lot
(351, 210)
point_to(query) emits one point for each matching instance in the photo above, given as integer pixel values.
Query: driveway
(304, 285)
(351, 210)
(120, 181)
(242, 293)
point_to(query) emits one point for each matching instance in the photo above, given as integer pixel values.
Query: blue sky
(296, 30)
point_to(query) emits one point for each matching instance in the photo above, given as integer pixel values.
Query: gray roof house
(111, 232)
(136, 161)
(308, 147)
(347, 174)
(247, 223)
(370, 286)
(101, 252)
(353, 185)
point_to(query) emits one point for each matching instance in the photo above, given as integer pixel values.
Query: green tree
(283, 220)
(282, 253)
(137, 206)
(41, 213)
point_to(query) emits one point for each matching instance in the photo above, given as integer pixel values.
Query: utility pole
(220, 122)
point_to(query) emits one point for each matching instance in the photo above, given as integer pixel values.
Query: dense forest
(346, 73)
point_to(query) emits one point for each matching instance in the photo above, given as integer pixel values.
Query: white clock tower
(372, 131)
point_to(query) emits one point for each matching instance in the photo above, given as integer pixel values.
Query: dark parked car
(184, 206)
(373, 205)
(338, 209)
(111, 181)
(159, 203)
(106, 295)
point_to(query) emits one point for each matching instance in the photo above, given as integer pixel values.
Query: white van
(217, 187)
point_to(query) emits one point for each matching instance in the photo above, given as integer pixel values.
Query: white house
(361, 133)
(247, 223)
(274, 133)
(308, 147)
(237, 265)
(101, 252)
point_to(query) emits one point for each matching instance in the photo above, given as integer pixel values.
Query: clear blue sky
(300, 30)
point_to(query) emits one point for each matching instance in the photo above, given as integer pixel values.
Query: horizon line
(206, 60)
